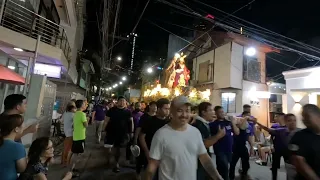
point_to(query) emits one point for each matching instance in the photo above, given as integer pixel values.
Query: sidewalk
(93, 165)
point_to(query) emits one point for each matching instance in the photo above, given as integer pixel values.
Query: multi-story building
(59, 25)
(233, 67)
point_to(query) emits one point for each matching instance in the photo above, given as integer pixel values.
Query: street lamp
(149, 70)
(119, 58)
(251, 51)
(124, 78)
(120, 82)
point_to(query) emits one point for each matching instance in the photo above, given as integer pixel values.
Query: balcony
(21, 20)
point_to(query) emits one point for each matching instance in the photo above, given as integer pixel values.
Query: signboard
(48, 70)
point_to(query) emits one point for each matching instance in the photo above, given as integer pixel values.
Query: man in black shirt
(119, 128)
(150, 111)
(151, 126)
(305, 145)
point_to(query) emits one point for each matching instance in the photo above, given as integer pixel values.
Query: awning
(11, 77)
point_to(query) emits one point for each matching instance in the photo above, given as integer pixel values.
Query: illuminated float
(177, 77)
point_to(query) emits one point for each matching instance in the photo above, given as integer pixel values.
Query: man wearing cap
(177, 146)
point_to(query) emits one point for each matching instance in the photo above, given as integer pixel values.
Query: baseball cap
(135, 150)
(180, 101)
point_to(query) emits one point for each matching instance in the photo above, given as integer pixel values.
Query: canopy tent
(11, 77)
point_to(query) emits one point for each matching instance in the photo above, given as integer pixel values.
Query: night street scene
(159, 90)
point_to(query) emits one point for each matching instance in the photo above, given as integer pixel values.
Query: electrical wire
(272, 43)
(173, 34)
(303, 44)
(144, 9)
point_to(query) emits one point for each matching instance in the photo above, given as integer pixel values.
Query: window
(203, 72)
(251, 69)
(228, 102)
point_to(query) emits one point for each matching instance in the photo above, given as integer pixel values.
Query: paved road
(93, 166)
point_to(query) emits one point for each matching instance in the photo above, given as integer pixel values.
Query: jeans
(276, 160)
(239, 152)
(222, 160)
(98, 129)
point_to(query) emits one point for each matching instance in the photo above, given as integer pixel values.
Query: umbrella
(11, 77)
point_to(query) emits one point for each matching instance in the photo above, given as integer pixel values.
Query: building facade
(233, 77)
(58, 24)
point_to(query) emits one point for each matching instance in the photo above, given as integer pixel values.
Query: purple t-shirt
(251, 124)
(136, 117)
(280, 136)
(242, 138)
(225, 143)
(100, 113)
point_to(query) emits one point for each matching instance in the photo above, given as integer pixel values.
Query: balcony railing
(24, 21)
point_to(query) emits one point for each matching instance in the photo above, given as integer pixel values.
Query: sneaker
(116, 169)
(261, 163)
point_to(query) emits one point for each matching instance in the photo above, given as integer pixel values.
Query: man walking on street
(223, 148)
(80, 124)
(177, 146)
(206, 115)
(151, 126)
(305, 145)
(119, 129)
(239, 149)
(98, 117)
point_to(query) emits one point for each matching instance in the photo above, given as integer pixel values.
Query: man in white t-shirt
(176, 147)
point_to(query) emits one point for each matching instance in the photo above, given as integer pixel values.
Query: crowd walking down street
(163, 141)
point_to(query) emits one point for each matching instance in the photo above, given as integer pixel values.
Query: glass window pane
(228, 102)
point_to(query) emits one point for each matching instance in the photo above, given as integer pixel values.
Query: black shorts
(117, 141)
(78, 146)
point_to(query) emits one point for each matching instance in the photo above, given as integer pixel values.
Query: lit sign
(48, 70)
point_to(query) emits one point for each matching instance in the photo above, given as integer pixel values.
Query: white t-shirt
(67, 119)
(177, 152)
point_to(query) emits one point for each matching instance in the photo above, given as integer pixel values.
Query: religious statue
(177, 73)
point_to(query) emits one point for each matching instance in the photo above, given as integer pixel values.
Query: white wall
(299, 84)
(261, 111)
(222, 74)
(236, 63)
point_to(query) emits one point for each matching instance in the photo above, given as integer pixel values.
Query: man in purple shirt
(98, 116)
(223, 147)
(279, 135)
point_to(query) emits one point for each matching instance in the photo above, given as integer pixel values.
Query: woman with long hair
(40, 155)
(12, 154)
(67, 119)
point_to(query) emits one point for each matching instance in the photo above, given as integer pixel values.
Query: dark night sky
(294, 18)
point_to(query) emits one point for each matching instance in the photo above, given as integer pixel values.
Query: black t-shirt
(120, 121)
(305, 143)
(143, 119)
(150, 127)
(204, 130)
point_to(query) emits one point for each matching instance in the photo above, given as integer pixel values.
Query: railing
(24, 21)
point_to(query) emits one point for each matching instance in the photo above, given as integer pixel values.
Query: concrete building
(60, 26)
(233, 67)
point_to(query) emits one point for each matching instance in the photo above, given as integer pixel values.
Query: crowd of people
(165, 140)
